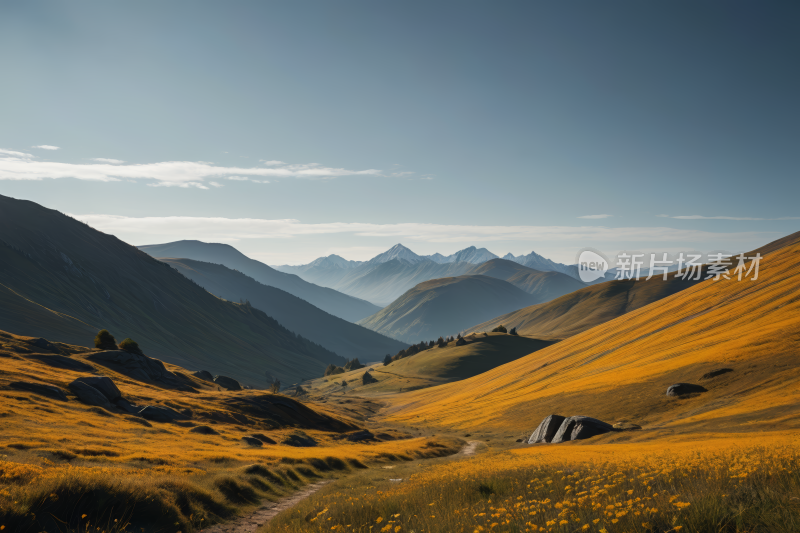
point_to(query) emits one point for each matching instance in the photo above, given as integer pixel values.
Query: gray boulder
(300, 440)
(204, 430)
(158, 413)
(136, 366)
(227, 383)
(547, 429)
(39, 388)
(681, 389)
(203, 374)
(579, 428)
(263, 438)
(104, 385)
(89, 395)
(127, 406)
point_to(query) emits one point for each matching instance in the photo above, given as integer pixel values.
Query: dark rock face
(44, 344)
(39, 388)
(547, 429)
(127, 406)
(89, 395)
(360, 436)
(204, 430)
(680, 389)
(263, 438)
(136, 366)
(252, 441)
(580, 427)
(203, 374)
(104, 385)
(300, 440)
(367, 378)
(717, 372)
(158, 413)
(227, 383)
(59, 361)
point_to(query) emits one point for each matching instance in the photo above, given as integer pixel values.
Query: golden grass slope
(621, 369)
(432, 367)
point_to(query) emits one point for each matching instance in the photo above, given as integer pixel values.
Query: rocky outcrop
(204, 430)
(227, 383)
(717, 372)
(300, 440)
(547, 429)
(682, 389)
(136, 366)
(59, 361)
(39, 388)
(263, 438)
(127, 406)
(89, 395)
(579, 428)
(104, 385)
(158, 413)
(203, 374)
(252, 441)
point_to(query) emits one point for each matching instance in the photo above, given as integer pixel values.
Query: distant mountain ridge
(385, 277)
(325, 298)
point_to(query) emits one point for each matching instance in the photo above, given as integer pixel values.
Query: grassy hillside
(329, 300)
(432, 367)
(622, 368)
(544, 286)
(69, 466)
(444, 306)
(60, 278)
(346, 339)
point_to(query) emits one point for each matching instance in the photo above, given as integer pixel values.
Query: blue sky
(434, 124)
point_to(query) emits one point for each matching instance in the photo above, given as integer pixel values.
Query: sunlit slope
(444, 306)
(345, 338)
(621, 369)
(544, 286)
(327, 299)
(434, 366)
(61, 279)
(586, 308)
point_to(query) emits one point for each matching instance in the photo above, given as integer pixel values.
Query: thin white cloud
(237, 178)
(47, 147)
(401, 174)
(272, 163)
(106, 160)
(701, 217)
(596, 216)
(236, 229)
(215, 184)
(22, 166)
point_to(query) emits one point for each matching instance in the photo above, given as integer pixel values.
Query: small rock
(38, 388)
(263, 438)
(127, 406)
(252, 441)
(680, 389)
(717, 372)
(547, 429)
(204, 430)
(104, 385)
(518, 440)
(89, 395)
(227, 383)
(300, 440)
(204, 374)
(360, 436)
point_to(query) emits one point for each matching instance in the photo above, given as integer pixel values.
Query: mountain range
(329, 300)
(59, 278)
(385, 277)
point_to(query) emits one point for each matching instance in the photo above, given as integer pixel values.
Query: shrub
(353, 364)
(131, 346)
(387, 359)
(275, 388)
(105, 340)
(513, 331)
(333, 370)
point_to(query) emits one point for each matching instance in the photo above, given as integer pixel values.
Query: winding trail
(268, 511)
(265, 513)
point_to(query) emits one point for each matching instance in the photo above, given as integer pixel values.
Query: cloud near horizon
(22, 166)
(596, 216)
(220, 229)
(47, 147)
(701, 217)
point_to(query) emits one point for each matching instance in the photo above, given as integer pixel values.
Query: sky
(294, 130)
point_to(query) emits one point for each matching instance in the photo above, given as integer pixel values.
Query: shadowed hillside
(60, 278)
(544, 286)
(346, 339)
(444, 306)
(432, 367)
(333, 302)
(622, 369)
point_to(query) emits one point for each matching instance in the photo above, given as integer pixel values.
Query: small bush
(131, 346)
(105, 340)
(513, 331)
(500, 329)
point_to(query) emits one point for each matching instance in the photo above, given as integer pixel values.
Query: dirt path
(469, 449)
(251, 523)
